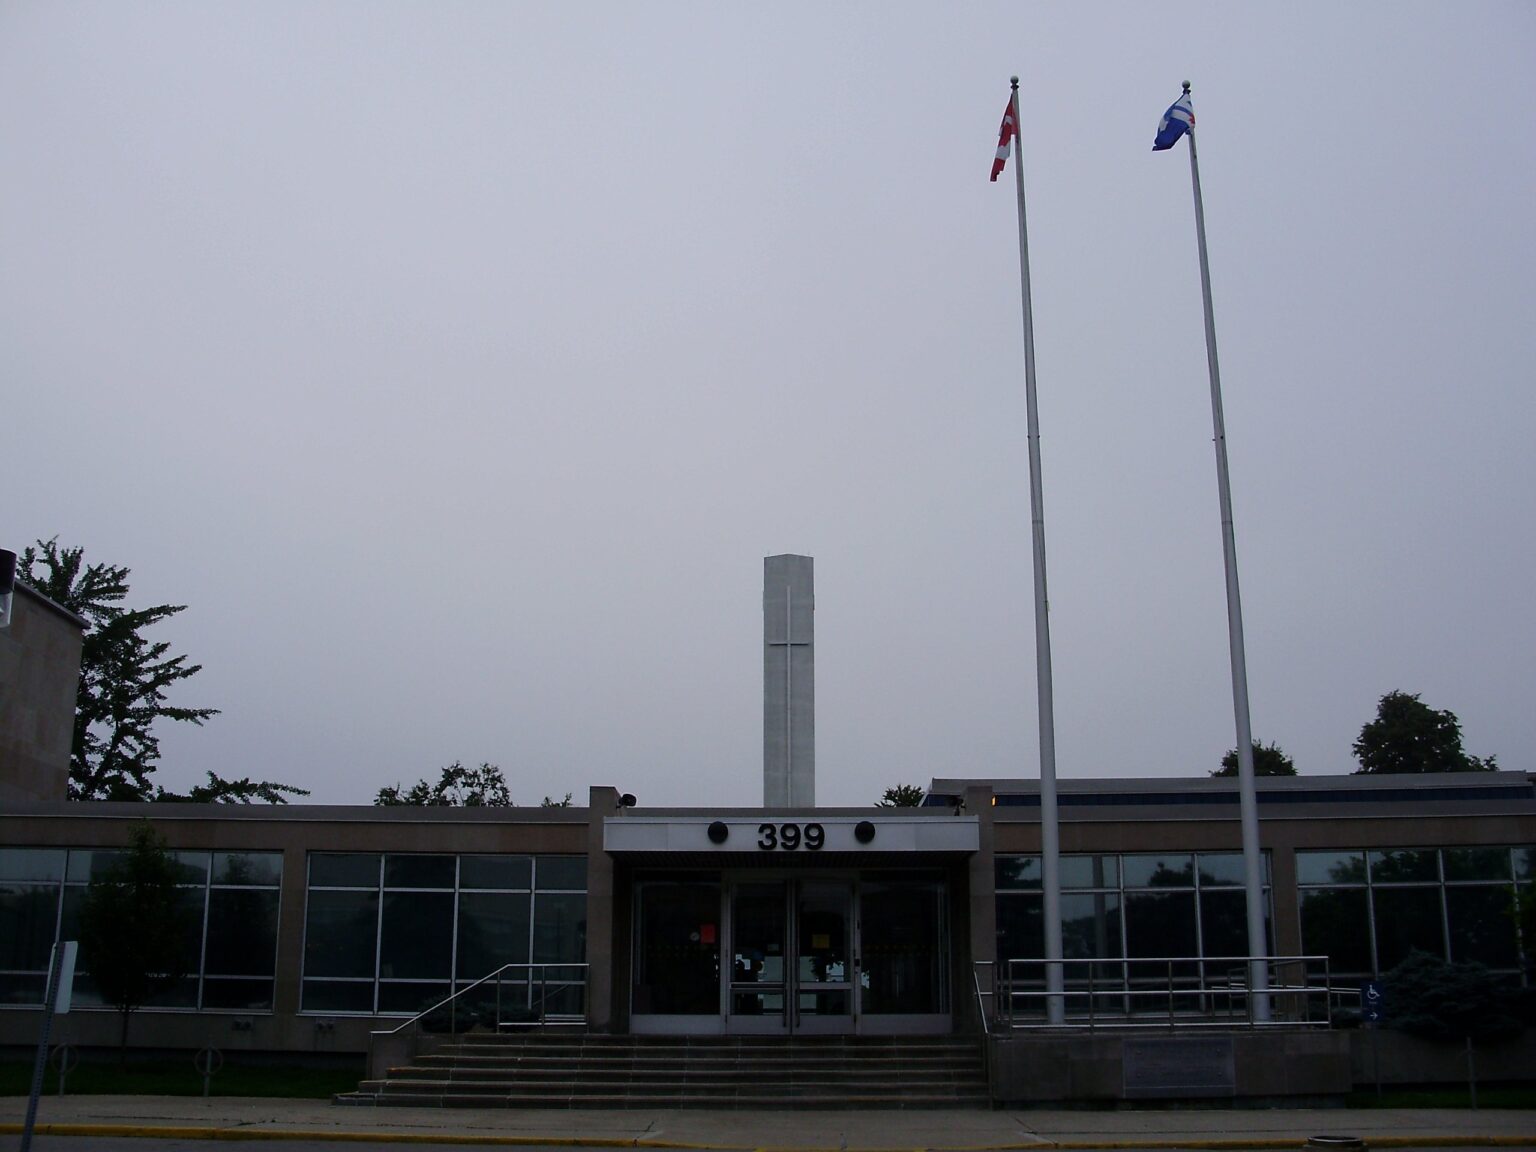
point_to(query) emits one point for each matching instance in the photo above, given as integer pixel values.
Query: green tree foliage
(901, 796)
(551, 802)
(138, 936)
(1410, 736)
(124, 679)
(1268, 760)
(457, 786)
(1427, 997)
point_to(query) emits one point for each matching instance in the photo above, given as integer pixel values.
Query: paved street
(91, 1122)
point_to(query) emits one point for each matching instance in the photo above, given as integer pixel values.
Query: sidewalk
(229, 1117)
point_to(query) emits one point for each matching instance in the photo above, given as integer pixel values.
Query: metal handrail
(981, 997)
(543, 985)
(1165, 992)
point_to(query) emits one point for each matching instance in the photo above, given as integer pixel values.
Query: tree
(1410, 736)
(1268, 760)
(138, 936)
(124, 678)
(457, 786)
(551, 802)
(901, 796)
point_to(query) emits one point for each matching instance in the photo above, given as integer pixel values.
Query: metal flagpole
(1258, 966)
(1050, 841)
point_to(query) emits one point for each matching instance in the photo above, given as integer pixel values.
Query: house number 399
(790, 837)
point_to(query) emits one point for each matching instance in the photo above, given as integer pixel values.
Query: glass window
(1330, 868)
(343, 870)
(499, 872)
(1224, 923)
(341, 934)
(23, 988)
(1160, 924)
(905, 960)
(237, 995)
(190, 946)
(1476, 864)
(1481, 927)
(248, 868)
(28, 915)
(242, 933)
(337, 996)
(31, 864)
(1334, 923)
(1090, 872)
(86, 865)
(564, 872)
(677, 949)
(560, 927)
(1012, 872)
(191, 867)
(1405, 866)
(1159, 870)
(1226, 869)
(1020, 928)
(493, 931)
(416, 939)
(409, 998)
(419, 871)
(1090, 926)
(1407, 918)
(1525, 863)
(181, 993)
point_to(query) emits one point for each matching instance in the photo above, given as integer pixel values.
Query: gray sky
(458, 364)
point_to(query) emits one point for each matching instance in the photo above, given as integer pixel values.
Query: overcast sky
(458, 363)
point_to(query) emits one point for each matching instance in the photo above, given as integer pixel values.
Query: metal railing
(1163, 992)
(533, 998)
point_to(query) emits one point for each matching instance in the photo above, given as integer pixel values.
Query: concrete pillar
(789, 683)
(602, 939)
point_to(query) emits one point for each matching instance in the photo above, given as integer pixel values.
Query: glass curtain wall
(394, 933)
(229, 952)
(1366, 910)
(1133, 905)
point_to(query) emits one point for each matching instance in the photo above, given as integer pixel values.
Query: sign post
(1371, 1005)
(61, 975)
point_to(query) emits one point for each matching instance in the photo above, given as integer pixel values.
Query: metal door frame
(789, 1021)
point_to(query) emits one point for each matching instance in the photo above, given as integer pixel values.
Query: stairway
(547, 1070)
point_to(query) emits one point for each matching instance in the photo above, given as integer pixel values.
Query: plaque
(1174, 1067)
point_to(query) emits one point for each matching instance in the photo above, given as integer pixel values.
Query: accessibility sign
(1371, 1001)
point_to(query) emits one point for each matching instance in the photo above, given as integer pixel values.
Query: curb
(204, 1132)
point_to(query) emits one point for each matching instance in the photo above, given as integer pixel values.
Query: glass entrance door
(793, 957)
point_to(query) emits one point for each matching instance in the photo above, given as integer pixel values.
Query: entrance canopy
(790, 839)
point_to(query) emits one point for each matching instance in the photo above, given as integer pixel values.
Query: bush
(1429, 998)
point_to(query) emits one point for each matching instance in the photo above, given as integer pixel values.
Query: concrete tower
(789, 683)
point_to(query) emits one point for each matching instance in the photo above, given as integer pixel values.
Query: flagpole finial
(1186, 87)
(1014, 80)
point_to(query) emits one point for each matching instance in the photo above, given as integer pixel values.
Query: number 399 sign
(791, 837)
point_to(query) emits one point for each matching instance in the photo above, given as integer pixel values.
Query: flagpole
(1248, 807)
(1050, 842)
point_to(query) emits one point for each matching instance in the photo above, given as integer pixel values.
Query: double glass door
(753, 953)
(794, 957)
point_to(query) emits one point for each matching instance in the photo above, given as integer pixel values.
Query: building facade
(316, 926)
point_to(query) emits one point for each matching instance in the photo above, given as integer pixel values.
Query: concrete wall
(1270, 1065)
(39, 677)
(1395, 1059)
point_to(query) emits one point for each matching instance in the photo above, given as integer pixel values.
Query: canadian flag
(1005, 136)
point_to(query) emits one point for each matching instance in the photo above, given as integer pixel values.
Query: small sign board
(1171, 1068)
(1371, 1001)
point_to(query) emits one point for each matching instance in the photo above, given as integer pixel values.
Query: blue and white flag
(1179, 119)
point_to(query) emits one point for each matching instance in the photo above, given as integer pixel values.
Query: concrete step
(725, 1072)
